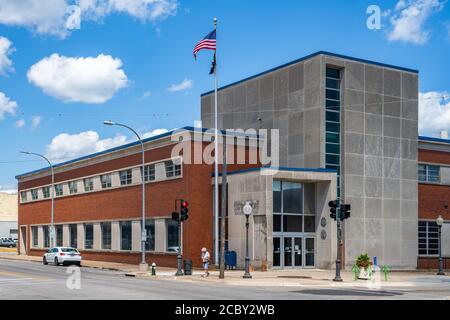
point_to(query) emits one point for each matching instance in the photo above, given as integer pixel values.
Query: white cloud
(20, 123)
(58, 17)
(145, 95)
(6, 49)
(68, 146)
(434, 112)
(35, 121)
(8, 189)
(7, 106)
(89, 80)
(408, 21)
(186, 84)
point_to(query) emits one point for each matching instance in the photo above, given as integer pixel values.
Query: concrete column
(160, 171)
(97, 183)
(97, 236)
(66, 189)
(160, 235)
(80, 236)
(66, 235)
(136, 175)
(136, 235)
(115, 236)
(40, 237)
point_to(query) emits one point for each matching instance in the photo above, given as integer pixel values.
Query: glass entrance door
(293, 252)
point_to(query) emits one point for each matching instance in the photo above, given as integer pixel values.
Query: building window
(73, 187)
(23, 196)
(429, 173)
(289, 214)
(34, 194)
(106, 235)
(173, 168)
(88, 236)
(59, 190)
(333, 121)
(59, 235)
(172, 236)
(106, 181)
(73, 236)
(125, 232)
(150, 228)
(149, 172)
(34, 234)
(46, 233)
(46, 192)
(88, 184)
(428, 238)
(125, 177)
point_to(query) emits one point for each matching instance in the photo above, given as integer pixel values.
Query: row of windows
(172, 169)
(429, 173)
(105, 227)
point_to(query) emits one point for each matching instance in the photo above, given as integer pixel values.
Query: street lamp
(143, 266)
(52, 226)
(440, 222)
(247, 211)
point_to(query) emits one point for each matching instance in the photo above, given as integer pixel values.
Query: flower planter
(363, 274)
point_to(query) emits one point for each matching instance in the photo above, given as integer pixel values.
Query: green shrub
(363, 261)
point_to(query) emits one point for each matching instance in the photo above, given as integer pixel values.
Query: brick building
(346, 127)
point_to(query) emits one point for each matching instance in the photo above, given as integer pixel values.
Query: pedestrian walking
(205, 260)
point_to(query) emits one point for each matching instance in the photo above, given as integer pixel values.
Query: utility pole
(224, 210)
(337, 277)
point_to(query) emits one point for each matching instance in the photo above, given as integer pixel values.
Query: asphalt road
(22, 280)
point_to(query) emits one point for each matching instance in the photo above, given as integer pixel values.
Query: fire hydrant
(153, 269)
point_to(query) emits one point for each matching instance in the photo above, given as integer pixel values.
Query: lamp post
(247, 211)
(440, 222)
(143, 266)
(52, 226)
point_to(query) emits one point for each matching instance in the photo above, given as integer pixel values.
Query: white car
(62, 255)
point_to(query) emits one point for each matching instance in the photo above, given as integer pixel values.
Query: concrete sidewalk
(275, 278)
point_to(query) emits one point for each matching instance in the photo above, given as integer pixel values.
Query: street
(24, 280)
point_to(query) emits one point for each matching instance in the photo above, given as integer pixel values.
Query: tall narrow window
(333, 122)
(59, 190)
(88, 236)
(46, 192)
(23, 196)
(125, 177)
(106, 235)
(150, 228)
(34, 194)
(73, 187)
(34, 233)
(59, 235)
(172, 236)
(428, 238)
(125, 232)
(88, 184)
(73, 232)
(149, 172)
(46, 236)
(106, 181)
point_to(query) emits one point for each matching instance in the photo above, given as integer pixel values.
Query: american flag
(207, 43)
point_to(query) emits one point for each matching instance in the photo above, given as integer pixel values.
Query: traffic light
(345, 211)
(333, 206)
(184, 212)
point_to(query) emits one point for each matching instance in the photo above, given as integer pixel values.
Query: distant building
(8, 215)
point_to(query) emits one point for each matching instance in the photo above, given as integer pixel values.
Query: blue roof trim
(128, 145)
(431, 139)
(309, 57)
(281, 169)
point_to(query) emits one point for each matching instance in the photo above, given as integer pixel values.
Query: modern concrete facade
(8, 215)
(377, 134)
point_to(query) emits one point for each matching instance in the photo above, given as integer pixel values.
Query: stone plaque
(323, 222)
(323, 235)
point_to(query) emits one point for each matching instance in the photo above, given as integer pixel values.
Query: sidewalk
(279, 278)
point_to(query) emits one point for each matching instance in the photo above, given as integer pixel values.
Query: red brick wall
(432, 263)
(434, 156)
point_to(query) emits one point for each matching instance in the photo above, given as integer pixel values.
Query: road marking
(20, 275)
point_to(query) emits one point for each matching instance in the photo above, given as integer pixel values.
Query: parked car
(62, 255)
(5, 242)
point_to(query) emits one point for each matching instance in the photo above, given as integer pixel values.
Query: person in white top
(205, 260)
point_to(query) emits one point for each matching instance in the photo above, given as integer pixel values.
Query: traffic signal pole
(337, 277)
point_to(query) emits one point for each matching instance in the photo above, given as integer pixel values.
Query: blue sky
(132, 61)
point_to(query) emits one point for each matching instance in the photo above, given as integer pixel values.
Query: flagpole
(216, 163)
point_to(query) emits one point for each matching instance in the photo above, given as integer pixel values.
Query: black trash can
(188, 267)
